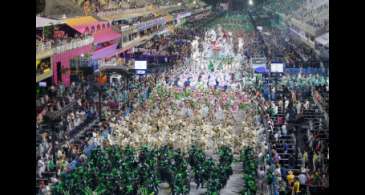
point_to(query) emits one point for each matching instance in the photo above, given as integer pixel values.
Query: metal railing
(44, 48)
(73, 44)
(121, 11)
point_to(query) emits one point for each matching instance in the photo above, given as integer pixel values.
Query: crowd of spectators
(299, 81)
(314, 13)
(294, 54)
(75, 138)
(53, 148)
(299, 154)
(286, 7)
(316, 16)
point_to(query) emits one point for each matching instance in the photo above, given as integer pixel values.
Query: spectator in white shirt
(299, 107)
(41, 167)
(261, 176)
(303, 181)
(286, 104)
(306, 105)
(276, 136)
(277, 171)
(284, 130)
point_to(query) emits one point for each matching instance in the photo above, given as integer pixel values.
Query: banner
(149, 24)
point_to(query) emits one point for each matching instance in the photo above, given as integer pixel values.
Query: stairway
(288, 140)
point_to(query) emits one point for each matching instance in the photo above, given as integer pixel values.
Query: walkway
(233, 187)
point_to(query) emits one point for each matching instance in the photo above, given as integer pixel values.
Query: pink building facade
(62, 60)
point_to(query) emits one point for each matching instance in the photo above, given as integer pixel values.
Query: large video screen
(277, 67)
(140, 65)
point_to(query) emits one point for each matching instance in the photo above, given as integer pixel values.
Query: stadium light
(250, 2)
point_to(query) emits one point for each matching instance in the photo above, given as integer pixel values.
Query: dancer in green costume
(211, 66)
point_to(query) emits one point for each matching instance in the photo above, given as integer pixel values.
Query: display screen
(42, 84)
(277, 67)
(140, 65)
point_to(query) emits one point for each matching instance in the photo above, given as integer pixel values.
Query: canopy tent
(323, 39)
(42, 22)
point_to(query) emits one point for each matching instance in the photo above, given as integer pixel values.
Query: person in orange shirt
(290, 177)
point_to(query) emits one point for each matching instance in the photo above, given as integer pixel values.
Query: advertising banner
(151, 23)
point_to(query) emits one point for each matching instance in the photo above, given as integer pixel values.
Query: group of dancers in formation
(197, 105)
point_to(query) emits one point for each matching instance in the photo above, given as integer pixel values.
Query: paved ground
(235, 181)
(233, 187)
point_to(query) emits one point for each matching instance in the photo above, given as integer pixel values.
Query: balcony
(138, 41)
(123, 14)
(48, 49)
(44, 50)
(149, 24)
(75, 43)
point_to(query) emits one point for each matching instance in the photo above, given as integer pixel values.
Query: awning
(100, 37)
(106, 52)
(83, 20)
(42, 22)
